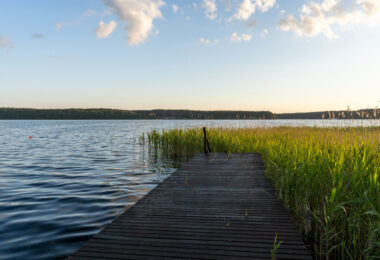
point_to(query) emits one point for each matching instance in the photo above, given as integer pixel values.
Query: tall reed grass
(327, 177)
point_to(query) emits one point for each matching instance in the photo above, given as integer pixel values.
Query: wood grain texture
(214, 207)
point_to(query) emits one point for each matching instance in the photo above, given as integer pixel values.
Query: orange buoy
(30, 137)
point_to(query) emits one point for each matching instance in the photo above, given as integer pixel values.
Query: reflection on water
(74, 177)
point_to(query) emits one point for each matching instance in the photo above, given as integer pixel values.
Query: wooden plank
(214, 207)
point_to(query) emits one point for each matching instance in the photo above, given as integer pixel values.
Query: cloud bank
(324, 17)
(138, 16)
(315, 17)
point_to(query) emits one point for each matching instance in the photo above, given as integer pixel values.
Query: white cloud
(210, 9)
(325, 16)
(5, 43)
(207, 41)
(264, 33)
(265, 5)
(327, 5)
(371, 7)
(235, 38)
(204, 41)
(244, 37)
(175, 8)
(307, 26)
(248, 7)
(104, 30)
(139, 16)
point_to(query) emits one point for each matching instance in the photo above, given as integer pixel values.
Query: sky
(276, 55)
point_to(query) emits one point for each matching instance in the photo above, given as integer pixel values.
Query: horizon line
(185, 109)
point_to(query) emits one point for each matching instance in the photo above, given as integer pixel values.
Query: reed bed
(327, 177)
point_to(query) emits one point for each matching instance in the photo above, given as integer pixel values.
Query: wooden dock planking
(214, 207)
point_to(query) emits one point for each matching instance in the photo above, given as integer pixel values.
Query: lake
(71, 178)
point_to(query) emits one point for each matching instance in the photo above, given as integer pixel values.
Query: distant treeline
(346, 114)
(67, 114)
(73, 114)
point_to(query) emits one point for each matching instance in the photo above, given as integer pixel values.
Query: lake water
(74, 177)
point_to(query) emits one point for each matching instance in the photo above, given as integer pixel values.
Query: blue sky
(276, 55)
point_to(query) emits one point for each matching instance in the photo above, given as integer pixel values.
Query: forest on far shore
(101, 113)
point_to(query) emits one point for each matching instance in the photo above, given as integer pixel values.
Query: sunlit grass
(328, 178)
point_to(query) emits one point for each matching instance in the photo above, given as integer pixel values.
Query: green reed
(327, 177)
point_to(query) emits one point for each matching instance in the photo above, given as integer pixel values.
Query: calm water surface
(74, 177)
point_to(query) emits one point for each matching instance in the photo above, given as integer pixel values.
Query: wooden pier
(214, 207)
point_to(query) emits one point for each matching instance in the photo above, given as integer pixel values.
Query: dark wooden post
(206, 146)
